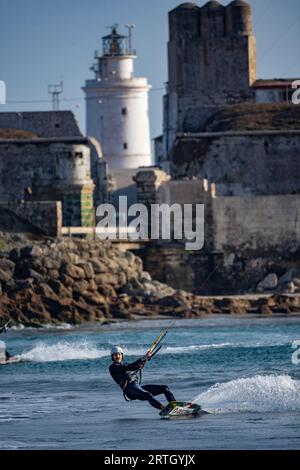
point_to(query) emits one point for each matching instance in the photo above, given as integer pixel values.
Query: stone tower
(212, 62)
(117, 105)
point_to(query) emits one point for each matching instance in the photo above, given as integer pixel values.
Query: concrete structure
(245, 237)
(241, 163)
(43, 158)
(273, 91)
(212, 61)
(117, 105)
(49, 170)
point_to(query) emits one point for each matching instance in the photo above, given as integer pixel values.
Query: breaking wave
(261, 393)
(63, 351)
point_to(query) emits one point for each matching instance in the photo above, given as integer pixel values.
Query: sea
(244, 371)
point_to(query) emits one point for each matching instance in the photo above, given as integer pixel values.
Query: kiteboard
(177, 409)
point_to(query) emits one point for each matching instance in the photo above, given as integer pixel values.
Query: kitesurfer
(4, 352)
(127, 377)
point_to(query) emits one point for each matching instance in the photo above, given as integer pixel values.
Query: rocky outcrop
(288, 283)
(73, 280)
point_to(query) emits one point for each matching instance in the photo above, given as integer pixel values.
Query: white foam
(194, 347)
(63, 351)
(261, 393)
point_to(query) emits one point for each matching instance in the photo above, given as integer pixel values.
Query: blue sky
(44, 41)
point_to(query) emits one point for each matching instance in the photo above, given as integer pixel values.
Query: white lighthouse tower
(117, 105)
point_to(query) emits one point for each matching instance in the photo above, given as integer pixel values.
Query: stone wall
(49, 170)
(241, 163)
(211, 60)
(245, 239)
(45, 217)
(261, 225)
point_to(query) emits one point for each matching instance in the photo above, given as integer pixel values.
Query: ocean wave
(63, 351)
(261, 393)
(194, 347)
(80, 350)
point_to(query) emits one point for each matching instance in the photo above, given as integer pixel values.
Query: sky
(45, 41)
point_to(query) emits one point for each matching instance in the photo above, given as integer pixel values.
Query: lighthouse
(117, 112)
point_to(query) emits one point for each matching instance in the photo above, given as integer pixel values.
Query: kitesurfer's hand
(147, 356)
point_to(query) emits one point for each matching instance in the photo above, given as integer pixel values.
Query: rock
(86, 312)
(35, 251)
(122, 278)
(59, 288)
(130, 257)
(98, 266)
(71, 258)
(21, 284)
(296, 282)
(290, 288)
(169, 302)
(5, 276)
(287, 288)
(53, 274)
(35, 275)
(81, 286)
(112, 266)
(107, 290)
(127, 289)
(149, 288)
(45, 290)
(7, 265)
(164, 292)
(88, 270)
(270, 282)
(102, 279)
(287, 277)
(92, 285)
(73, 271)
(145, 277)
(265, 310)
(9, 286)
(67, 280)
(136, 284)
(15, 254)
(52, 263)
(36, 263)
(95, 299)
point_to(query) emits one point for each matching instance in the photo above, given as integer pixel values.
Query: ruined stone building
(229, 141)
(50, 174)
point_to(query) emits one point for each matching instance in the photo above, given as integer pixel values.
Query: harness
(139, 382)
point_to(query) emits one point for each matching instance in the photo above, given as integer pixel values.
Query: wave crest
(261, 393)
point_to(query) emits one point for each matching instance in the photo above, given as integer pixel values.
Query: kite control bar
(155, 347)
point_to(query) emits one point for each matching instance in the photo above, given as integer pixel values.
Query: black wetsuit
(4, 330)
(127, 377)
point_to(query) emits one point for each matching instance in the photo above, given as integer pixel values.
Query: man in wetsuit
(4, 329)
(127, 377)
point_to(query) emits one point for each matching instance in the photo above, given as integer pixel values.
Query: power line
(279, 38)
(262, 14)
(64, 99)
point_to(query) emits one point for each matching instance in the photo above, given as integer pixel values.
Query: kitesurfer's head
(116, 353)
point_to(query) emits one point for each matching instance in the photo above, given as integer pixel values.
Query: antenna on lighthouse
(130, 27)
(55, 91)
